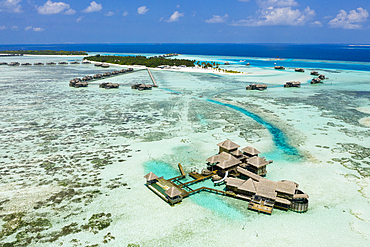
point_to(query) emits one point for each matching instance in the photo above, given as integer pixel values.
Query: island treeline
(45, 52)
(141, 60)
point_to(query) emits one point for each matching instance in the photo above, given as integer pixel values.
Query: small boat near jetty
(299, 70)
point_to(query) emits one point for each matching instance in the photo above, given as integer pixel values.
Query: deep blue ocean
(358, 56)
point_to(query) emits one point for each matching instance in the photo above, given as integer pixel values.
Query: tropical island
(152, 62)
(45, 52)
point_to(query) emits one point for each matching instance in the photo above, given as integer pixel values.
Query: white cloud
(79, 19)
(70, 12)
(2, 28)
(276, 3)
(278, 12)
(94, 7)
(217, 19)
(353, 20)
(11, 6)
(316, 24)
(110, 13)
(15, 28)
(243, 0)
(177, 6)
(50, 8)
(142, 10)
(175, 16)
(125, 13)
(38, 29)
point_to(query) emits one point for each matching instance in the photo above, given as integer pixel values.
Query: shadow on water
(278, 136)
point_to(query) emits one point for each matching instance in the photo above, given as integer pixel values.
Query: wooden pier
(151, 77)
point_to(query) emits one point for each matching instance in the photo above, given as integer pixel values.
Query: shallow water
(68, 154)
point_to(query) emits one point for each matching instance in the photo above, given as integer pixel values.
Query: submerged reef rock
(98, 222)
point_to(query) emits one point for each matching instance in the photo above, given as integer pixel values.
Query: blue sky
(187, 21)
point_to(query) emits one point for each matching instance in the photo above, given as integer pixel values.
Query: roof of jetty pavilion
(228, 145)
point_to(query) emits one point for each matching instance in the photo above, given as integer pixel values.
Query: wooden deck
(261, 208)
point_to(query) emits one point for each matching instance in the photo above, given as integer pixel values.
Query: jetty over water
(151, 77)
(243, 174)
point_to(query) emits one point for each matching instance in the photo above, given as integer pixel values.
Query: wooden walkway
(198, 178)
(151, 77)
(178, 177)
(111, 76)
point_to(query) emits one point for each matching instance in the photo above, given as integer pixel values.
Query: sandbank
(179, 69)
(363, 109)
(365, 121)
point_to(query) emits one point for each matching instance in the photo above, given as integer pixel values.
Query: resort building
(241, 171)
(264, 194)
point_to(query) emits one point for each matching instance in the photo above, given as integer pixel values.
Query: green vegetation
(45, 52)
(141, 60)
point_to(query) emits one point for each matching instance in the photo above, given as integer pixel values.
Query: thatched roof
(257, 161)
(249, 174)
(266, 188)
(250, 150)
(213, 159)
(150, 176)
(286, 186)
(237, 153)
(234, 182)
(228, 145)
(249, 185)
(224, 160)
(172, 192)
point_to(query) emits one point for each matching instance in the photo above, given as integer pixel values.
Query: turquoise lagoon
(68, 154)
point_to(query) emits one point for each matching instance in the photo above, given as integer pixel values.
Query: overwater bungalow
(38, 64)
(292, 84)
(316, 80)
(141, 86)
(122, 71)
(264, 194)
(314, 73)
(87, 78)
(26, 64)
(74, 62)
(98, 64)
(108, 85)
(115, 72)
(299, 70)
(3, 63)
(279, 67)
(241, 183)
(256, 87)
(50, 63)
(62, 63)
(105, 65)
(130, 69)
(97, 76)
(322, 77)
(86, 62)
(77, 82)
(14, 64)
(106, 74)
